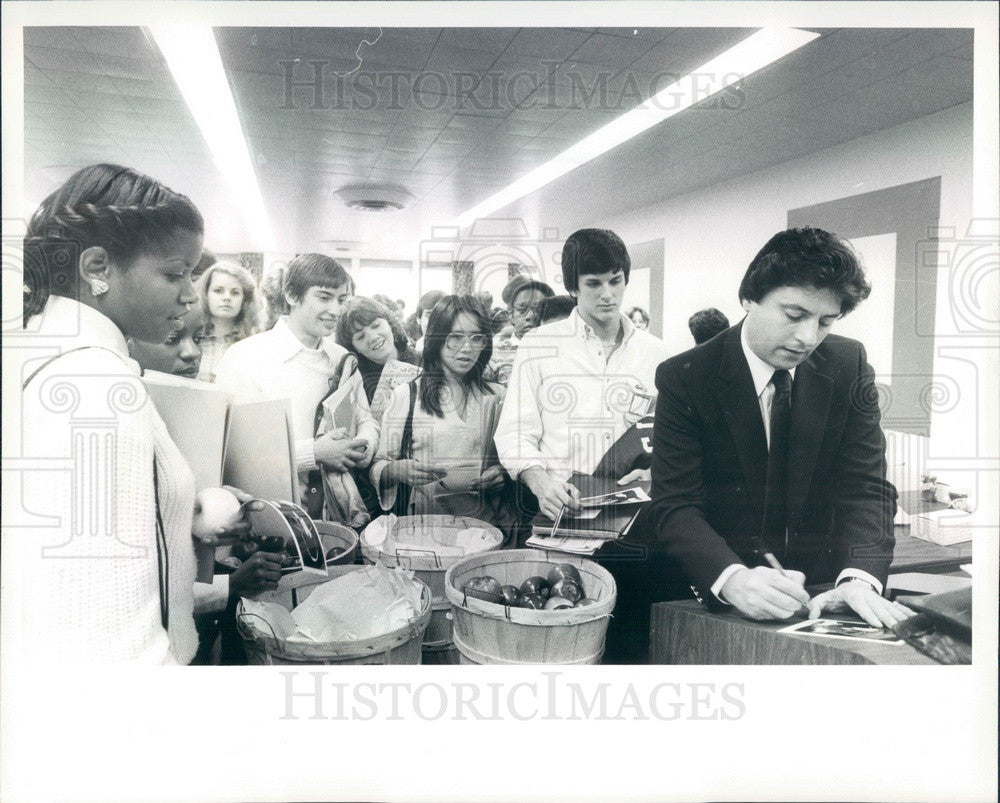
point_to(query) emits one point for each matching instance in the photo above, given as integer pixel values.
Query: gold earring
(98, 287)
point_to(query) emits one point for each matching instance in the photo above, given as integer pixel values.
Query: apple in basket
(567, 589)
(536, 585)
(214, 508)
(511, 596)
(536, 601)
(555, 603)
(564, 571)
(485, 588)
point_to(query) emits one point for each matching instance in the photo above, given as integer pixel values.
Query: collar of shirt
(759, 370)
(68, 318)
(289, 345)
(585, 330)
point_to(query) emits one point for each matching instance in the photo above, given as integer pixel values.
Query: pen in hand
(558, 519)
(773, 562)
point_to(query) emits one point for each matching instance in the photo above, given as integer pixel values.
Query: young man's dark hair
(555, 308)
(706, 324)
(807, 257)
(314, 270)
(593, 251)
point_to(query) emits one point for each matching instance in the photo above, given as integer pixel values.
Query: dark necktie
(776, 495)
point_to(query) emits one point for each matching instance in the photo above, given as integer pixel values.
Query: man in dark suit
(767, 447)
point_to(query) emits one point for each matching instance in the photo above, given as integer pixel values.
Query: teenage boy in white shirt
(295, 360)
(578, 384)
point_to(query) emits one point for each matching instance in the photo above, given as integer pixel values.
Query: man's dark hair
(555, 308)
(314, 270)
(807, 257)
(590, 251)
(706, 324)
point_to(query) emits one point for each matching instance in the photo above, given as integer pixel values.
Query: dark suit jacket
(710, 464)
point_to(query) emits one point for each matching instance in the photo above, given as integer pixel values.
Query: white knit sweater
(87, 567)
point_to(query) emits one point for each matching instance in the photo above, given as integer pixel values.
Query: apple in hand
(536, 585)
(214, 508)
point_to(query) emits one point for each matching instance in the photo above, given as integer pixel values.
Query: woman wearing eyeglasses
(436, 452)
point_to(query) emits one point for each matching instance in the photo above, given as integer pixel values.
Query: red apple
(565, 571)
(536, 585)
(485, 588)
(555, 603)
(511, 596)
(536, 601)
(567, 589)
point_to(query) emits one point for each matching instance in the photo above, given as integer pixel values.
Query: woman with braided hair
(106, 573)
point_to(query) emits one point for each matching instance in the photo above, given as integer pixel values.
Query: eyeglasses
(455, 341)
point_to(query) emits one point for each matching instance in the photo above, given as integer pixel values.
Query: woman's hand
(260, 572)
(229, 535)
(493, 477)
(412, 472)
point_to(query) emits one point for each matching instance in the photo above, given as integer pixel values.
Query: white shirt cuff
(211, 597)
(728, 572)
(861, 575)
(305, 456)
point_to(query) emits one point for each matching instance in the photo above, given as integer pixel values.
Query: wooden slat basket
(488, 633)
(401, 646)
(429, 561)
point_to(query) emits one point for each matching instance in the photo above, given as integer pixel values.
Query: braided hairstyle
(117, 208)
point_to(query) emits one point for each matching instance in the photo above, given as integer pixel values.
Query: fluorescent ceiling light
(193, 57)
(756, 51)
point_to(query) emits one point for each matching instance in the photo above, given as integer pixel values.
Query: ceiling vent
(375, 198)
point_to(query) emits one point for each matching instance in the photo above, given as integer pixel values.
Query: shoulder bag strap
(50, 360)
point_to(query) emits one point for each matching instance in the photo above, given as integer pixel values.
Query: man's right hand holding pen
(765, 592)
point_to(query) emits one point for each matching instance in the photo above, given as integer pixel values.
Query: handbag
(405, 490)
(341, 500)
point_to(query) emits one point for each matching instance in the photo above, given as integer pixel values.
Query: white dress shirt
(762, 374)
(276, 365)
(567, 402)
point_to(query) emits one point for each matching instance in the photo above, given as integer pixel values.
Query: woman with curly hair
(232, 310)
(108, 575)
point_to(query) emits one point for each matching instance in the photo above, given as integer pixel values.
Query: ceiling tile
(611, 51)
(556, 44)
(493, 40)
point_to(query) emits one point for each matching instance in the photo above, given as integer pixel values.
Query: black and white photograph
(494, 400)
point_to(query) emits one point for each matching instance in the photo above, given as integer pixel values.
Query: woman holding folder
(436, 453)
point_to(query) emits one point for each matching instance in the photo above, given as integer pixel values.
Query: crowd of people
(512, 401)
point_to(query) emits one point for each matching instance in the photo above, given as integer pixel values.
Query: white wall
(712, 234)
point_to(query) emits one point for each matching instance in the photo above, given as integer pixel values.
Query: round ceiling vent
(375, 198)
